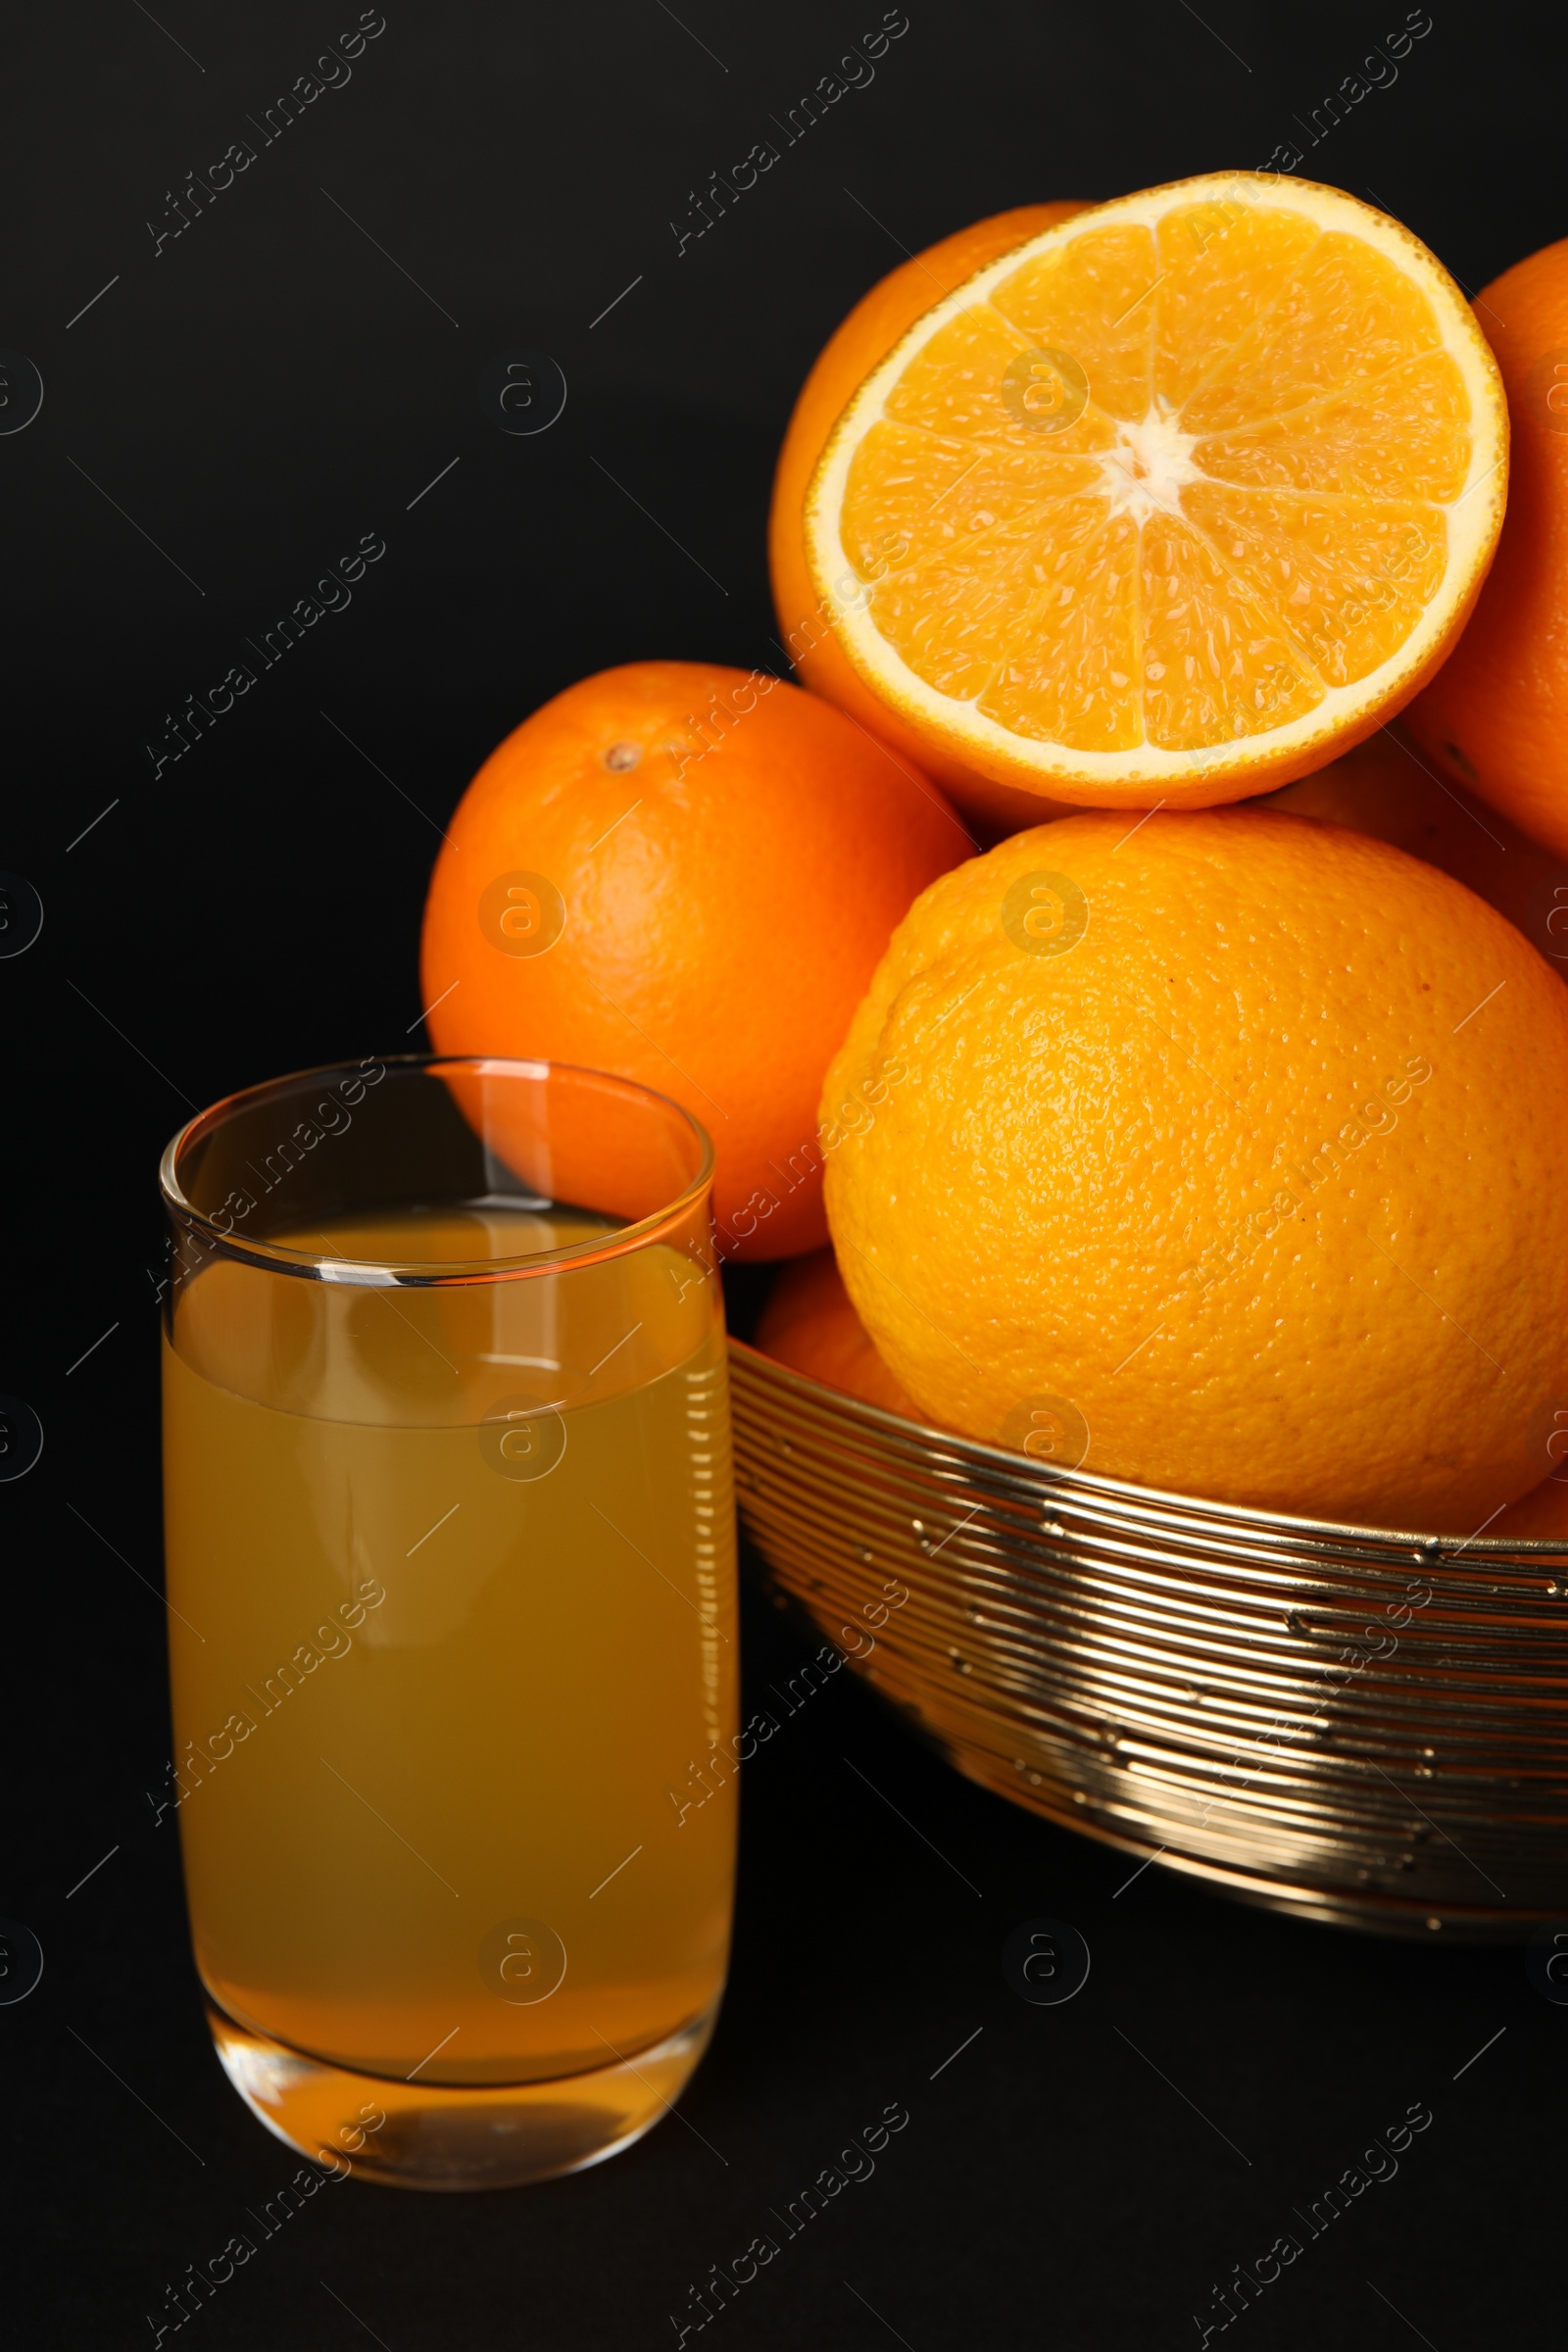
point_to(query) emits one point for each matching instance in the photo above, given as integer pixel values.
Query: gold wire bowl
(1352, 1725)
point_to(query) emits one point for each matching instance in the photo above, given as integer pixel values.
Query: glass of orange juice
(451, 1584)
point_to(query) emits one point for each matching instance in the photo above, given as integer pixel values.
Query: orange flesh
(1247, 512)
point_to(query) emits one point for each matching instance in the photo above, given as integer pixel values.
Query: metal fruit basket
(1348, 1724)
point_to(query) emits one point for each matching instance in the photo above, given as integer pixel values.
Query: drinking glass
(451, 1585)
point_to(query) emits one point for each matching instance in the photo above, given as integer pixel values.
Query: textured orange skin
(1102, 1178)
(718, 937)
(845, 360)
(1496, 712)
(810, 1325)
(1390, 788)
(1543, 1512)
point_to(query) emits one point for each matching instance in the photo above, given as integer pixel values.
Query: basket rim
(1035, 1478)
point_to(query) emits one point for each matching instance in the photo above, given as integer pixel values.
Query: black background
(218, 426)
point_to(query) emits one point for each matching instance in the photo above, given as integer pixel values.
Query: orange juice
(452, 1610)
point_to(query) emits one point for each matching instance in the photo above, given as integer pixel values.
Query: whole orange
(1496, 712)
(845, 360)
(1391, 788)
(684, 874)
(1536, 1516)
(1229, 1144)
(810, 1325)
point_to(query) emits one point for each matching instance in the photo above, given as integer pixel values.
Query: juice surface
(436, 1670)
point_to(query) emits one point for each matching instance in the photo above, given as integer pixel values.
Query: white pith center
(1148, 467)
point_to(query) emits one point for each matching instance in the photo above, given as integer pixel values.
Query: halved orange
(1174, 502)
(859, 343)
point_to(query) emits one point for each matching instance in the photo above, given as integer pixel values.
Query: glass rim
(372, 1273)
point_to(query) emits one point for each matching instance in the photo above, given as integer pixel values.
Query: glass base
(434, 2136)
